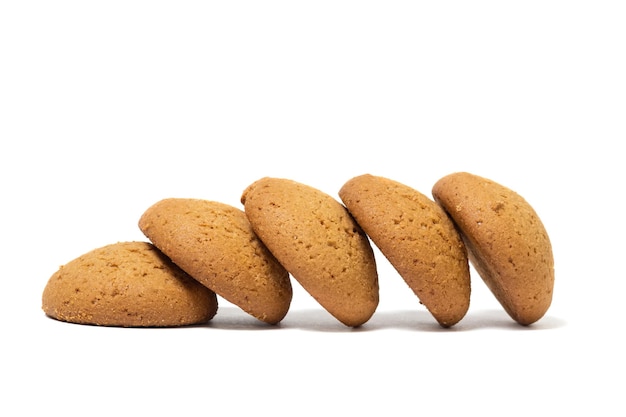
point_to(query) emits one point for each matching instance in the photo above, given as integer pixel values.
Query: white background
(107, 107)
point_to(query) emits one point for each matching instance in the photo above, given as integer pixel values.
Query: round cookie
(127, 284)
(319, 243)
(507, 242)
(214, 243)
(418, 239)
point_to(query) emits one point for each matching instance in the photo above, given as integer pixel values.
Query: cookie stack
(201, 249)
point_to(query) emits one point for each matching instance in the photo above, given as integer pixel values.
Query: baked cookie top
(214, 243)
(506, 241)
(319, 243)
(418, 239)
(127, 284)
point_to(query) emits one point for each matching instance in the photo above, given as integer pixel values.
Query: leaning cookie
(418, 239)
(127, 284)
(319, 243)
(507, 242)
(214, 243)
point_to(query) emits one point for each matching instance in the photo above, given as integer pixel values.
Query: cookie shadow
(233, 318)
(319, 320)
(498, 319)
(473, 320)
(414, 320)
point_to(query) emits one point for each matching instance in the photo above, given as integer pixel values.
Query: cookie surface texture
(319, 243)
(127, 284)
(418, 239)
(507, 242)
(214, 243)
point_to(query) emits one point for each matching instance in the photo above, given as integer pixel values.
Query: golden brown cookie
(319, 243)
(417, 238)
(506, 241)
(127, 284)
(214, 243)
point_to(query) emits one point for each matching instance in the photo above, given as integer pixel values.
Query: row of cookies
(200, 248)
